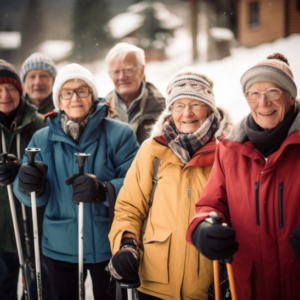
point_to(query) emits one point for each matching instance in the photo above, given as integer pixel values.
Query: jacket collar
(203, 157)
(90, 133)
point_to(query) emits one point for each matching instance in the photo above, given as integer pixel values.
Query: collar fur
(224, 126)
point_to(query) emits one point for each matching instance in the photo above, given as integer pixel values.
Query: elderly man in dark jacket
(134, 100)
(18, 122)
(37, 75)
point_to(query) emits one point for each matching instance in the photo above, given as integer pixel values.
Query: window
(253, 22)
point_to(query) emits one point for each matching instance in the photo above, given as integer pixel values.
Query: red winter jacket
(261, 201)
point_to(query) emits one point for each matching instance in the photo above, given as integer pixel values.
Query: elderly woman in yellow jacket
(184, 139)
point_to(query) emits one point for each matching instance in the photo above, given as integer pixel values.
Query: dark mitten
(86, 189)
(125, 263)
(33, 178)
(215, 241)
(9, 170)
(295, 241)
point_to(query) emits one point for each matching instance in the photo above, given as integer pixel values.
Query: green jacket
(31, 122)
(45, 107)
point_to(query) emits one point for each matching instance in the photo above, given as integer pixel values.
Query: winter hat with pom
(273, 69)
(36, 61)
(9, 75)
(70, 72)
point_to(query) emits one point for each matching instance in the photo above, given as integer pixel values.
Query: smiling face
(128, 87)
(9, 98)
(76, 108)
(188, 121)
(38, 84)
(268, 114)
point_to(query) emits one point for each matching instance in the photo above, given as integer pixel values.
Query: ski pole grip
(216, 219)
(130, 284)
(81, 157)
(31, 152)
(3, 157)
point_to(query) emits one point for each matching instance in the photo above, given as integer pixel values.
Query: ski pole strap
(112, 200)
(154, 181)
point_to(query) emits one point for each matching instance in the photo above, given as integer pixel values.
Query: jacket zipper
(257, 202)
(280, 204)
(189, 193)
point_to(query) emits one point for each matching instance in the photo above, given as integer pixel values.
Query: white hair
(120, 50)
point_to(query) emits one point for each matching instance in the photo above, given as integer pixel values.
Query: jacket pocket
(155, 261)
(242, 271)
(295, 279)
(61, 235)
(101, 230)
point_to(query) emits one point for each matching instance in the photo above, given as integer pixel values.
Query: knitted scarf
(73, 129)
(268, 142)
(186, 145)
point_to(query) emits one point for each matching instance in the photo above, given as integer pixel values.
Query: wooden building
(262, 21)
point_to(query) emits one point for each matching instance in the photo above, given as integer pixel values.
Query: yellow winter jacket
(170, 268)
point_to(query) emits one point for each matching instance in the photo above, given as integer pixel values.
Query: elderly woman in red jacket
(254, 186)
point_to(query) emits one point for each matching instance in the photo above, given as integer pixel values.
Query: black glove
(33, 178)
(215, 241)
(125, 263)
(295, 241)
(9, 170)
(86, 188)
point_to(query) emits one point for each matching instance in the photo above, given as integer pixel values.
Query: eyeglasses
(271, 93)
(193, 106)
(81, 92)
(9, 89)
(128, 71)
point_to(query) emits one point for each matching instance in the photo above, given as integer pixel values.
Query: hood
(225, 124)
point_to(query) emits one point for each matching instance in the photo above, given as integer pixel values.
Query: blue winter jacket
(112, 146)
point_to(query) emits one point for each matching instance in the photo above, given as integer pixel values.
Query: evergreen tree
(90, 33)
(152, 33)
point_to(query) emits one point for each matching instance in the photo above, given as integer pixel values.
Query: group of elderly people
(194, 161)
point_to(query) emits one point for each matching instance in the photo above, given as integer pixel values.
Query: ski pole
(17, 233)
(31, 152)
(81, 157)
(28, 237)
(216, 219)
(131, 286)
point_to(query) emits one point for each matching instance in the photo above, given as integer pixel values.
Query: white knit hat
(69, 72)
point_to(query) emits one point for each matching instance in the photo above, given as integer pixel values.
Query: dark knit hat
(274, 69)
(35, 61)
(9, 75)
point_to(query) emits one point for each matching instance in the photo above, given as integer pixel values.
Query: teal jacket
(112, 146)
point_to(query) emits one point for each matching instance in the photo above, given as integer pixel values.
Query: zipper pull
(189, 193)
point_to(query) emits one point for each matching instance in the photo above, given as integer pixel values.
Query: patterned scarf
(186, 145)
(73, 129)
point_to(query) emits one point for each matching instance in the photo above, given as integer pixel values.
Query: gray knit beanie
(273, 69)
(191, 85)
(35, 61)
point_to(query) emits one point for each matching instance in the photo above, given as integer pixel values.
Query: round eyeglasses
(193, 106)
(81, 92)
(271, 93)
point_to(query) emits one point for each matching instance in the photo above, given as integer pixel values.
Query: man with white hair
(134, 100)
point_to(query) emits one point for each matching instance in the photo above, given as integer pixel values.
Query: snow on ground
(226, 73)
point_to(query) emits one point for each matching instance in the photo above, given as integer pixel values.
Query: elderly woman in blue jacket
(79, 124)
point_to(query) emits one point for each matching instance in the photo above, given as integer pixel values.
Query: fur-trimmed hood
(225, 124)
(238, 132)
